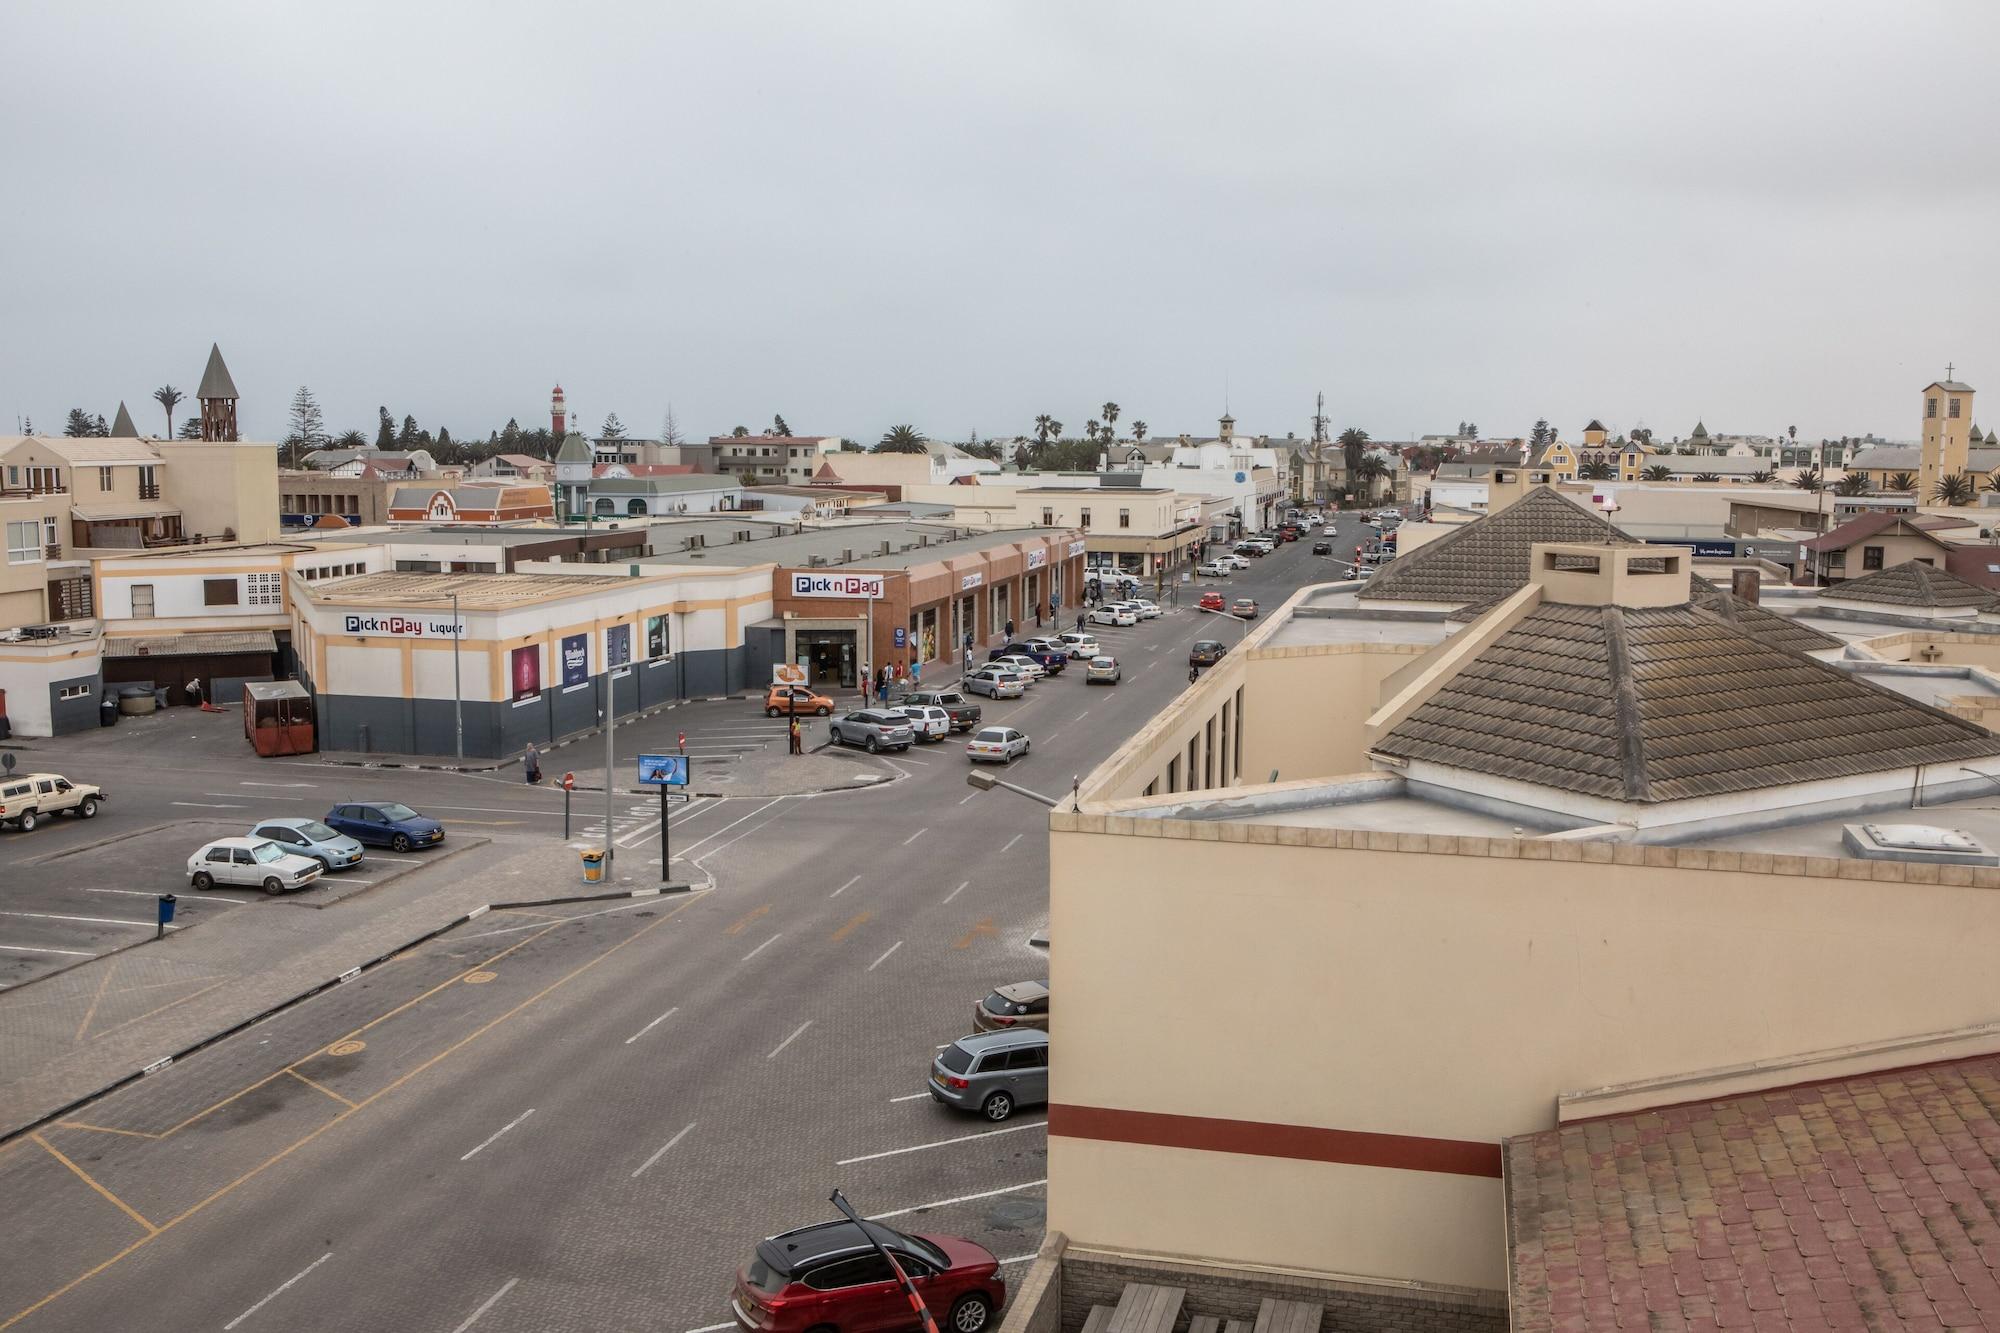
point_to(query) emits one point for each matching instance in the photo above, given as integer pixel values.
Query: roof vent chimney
(1746, 584)
(1587, 574)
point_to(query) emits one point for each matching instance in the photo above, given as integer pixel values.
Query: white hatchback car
(1233, 560)
(1112, 613)
(256, 862)
(1215, 569)
(1024, 664)
(1078, 644)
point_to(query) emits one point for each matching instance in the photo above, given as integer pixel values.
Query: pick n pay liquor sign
(398, 627)
(840, 585)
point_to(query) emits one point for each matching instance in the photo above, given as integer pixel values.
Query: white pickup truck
(29, 798)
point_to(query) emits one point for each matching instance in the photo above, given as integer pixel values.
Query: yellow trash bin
(593, 864)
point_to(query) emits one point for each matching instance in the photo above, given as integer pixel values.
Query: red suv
(829, 1277)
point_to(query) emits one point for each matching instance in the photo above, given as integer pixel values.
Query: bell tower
(217, 396)
(1947, 433)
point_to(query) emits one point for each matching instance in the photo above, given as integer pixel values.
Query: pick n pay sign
(839, 585)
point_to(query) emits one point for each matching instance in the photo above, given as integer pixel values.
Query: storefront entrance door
(829, 655)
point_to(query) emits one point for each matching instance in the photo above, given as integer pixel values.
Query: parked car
(1102, 670)
(30, 798)
(1214, 569)
(1024, 664)
(388, 824)
(1025, 1004)
(1233, 560)
(1249, 549)
(830, 1276)
(780, 700)
(1206, 652)
(255, 862)
(996, 745)
(1364, 571)
(1212, 601)
(928, 721)
(963, 712)
(1322, 548)
(872, 729)
(993, 1073)
(996, 682)
(1244, 608)
(1080, 643)
(1147, 609)
(1049, 660)
(309, 837)
(1111, 613)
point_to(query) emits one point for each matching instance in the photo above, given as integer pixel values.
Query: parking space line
(91, 1012)
(885, 955)
(486, 1305)
(104, 1129)
(789, 1040)
(650, 1026)
(963, 1198)
(955, 892)
(940, 1143)
(765, 945)
(320, 1086)
(910, 1098)
(209, 896)
(662, 1151)
(67, 953)
(559, 921)
(91, 920)
(914, 836)
(201, 805)
(497, 1133)
(852, 882)
(1010, 844)
(279, 1292)
(85, 1177)
(192, 995)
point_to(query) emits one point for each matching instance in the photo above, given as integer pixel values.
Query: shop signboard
(399, 627)
(1075, 549)
(967, 582)
(839, 585)
(1038, 557)
(788, 673)
(575, 659)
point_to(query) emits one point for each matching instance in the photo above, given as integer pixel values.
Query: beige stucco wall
(1305, 708)
(223, 488)
(1896, 550)
(1449, 990)
(1941, 647)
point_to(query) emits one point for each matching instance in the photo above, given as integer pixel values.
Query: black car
(1322, 548)
(1206, 652)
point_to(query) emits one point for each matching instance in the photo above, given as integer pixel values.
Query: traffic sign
(569, 782)
(902, 637)
(663, 770)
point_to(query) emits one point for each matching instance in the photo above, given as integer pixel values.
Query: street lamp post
(457, 688)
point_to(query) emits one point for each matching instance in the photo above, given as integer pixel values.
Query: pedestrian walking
(1010, 628)
(798, 738)
(193, 690)
(916, 674)
(531, 764)
(1079, 622)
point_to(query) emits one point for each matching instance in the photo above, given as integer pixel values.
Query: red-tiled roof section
(1870, 525)
(1864, 1203)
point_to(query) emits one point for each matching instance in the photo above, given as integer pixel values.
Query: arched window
(605, 508)
(635, 506)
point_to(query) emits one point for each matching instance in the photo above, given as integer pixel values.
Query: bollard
(167, 901)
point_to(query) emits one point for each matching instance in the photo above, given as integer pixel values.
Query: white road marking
(279, 1292)
(1084, 714)
(93, 920)
(940, 1143)
(209, 897)
(955, 892)
(914, 836)
(497, 1133)
(1004, 1263)
(852, 882)
(650, 1026)
(713, 1328)
(885, 955)
(67, 953)
(204, 805)
(732, 824)
(966, 798)
(662, 1152)
(963, 1198)
(912, 1097)
(488, 1304)
(760, 948)
(581, 916)
(262, 796)
(789, 1040)
(1010, 844)
(307, 785)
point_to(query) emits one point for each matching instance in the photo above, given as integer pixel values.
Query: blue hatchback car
(388, 824)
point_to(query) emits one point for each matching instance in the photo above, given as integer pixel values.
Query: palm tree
(1139, 431)
(902, 439)
(1657, 472)
(1955, 491)
(1763, 474)
(169, 397)
(350, 439)
(1993, 481)
(1902, 481)
(1369, 471)
(1597, 470)
(1856, 483)
(1707, 476)
(1353, 448)
(1047, 428)
(1110, 414)
(1808, 479)
(1090, 430)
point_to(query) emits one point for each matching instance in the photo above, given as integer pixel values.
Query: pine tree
(778, 426)
(670, 429)
(385, 434)
(510, 436)
(614, 429)
(190, 429)
(308, 425)
(406, 438)
(79, 425)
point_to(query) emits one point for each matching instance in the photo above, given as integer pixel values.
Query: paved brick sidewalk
(81, 1030)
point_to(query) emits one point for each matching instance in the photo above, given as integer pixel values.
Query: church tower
(217, 396)
(558, 415)
(1947, 433)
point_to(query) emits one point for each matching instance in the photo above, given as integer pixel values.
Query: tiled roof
(1863, 526)
(1488, 559)
(1764, 626)
(1666, 704)
(191, 645)
(1912, 583)
(1860, 1203)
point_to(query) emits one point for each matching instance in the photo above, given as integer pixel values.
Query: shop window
(218, 592)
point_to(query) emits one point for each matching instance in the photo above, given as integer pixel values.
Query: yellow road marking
(984, 926)
(84, 1176)
(480, 978)
(365, 1102)
(91, 1012)
(853, 924)
(321, 1086)
(743, 922)
(104, 1129)
(347, 1048)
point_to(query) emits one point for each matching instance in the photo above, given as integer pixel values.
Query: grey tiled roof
(1766, 627)
(1912, 583)
(1489, 558)
(1667, 704)
(215, 381)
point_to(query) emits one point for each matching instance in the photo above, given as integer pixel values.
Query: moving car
(309, 837)
(1211, 601)
(996, 682)
(1245, 607)
(388, 824)
(963, 712)
(779, 701)
(1025, 1004)
(1147, 608)
(1322, 548)
(998, 745)
(929, 721)
(1080, 643)
(1233, 560)
(1102, 670)
(30, 798)
(1214, 569)
(1024, 664)
(993, 1072)
(873, 729)
(830, 1276)
(1113, 613)
(1206, 652)
(257, 862)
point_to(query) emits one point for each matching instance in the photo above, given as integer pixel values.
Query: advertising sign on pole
(663, 770)
(788, 673)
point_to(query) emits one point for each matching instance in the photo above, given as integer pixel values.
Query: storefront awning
(192, 645)
(109, 513)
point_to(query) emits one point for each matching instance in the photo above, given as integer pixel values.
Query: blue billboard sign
(663, 770)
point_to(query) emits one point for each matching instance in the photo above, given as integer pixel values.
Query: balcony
(149, 490)
(52, 551)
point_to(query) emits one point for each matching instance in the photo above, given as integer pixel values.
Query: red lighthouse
(557, 414)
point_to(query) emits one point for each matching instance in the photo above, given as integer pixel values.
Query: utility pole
(457, 689)
(610, 722)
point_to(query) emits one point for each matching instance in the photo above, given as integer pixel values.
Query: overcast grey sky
(963, 214)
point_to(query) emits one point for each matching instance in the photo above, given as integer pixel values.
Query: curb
(271, 1011)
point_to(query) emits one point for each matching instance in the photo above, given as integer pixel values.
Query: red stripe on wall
(1257, 1138)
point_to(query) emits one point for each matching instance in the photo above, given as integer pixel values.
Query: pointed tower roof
(215, 381)
(1595, 424)
(121, 426)
(1700, 432)
(575, 449)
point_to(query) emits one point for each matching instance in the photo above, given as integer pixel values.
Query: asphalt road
(585, 1119)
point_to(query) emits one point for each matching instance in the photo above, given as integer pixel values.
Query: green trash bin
(593, 865)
